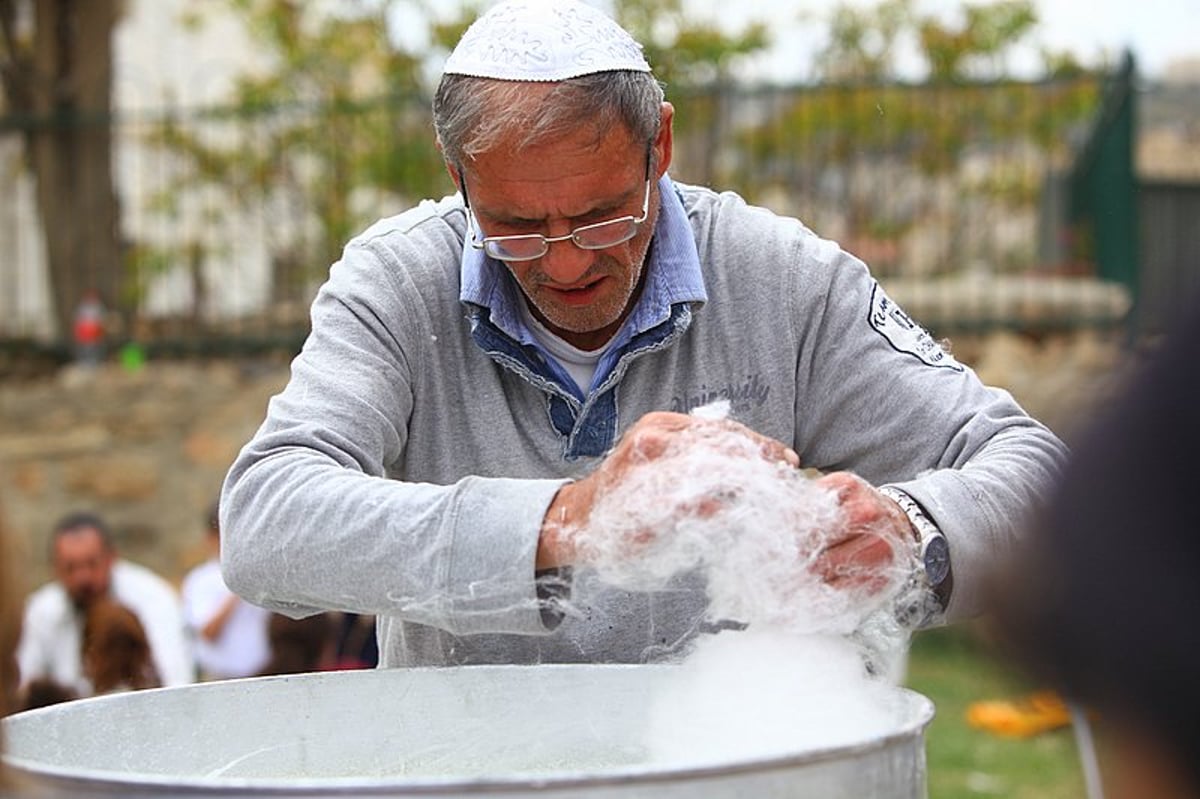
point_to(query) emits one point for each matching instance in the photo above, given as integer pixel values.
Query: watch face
(937, 560)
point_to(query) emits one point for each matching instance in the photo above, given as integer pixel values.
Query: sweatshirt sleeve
(882, 398)
(311, 515)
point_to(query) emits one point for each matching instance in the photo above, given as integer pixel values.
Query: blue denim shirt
(663, 312)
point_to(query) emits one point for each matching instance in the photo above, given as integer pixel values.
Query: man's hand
(875, 529)
(858, 548)
(652, 438)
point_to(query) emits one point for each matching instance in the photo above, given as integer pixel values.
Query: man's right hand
(653, 437)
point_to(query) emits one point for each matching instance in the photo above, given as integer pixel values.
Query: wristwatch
(933, 552)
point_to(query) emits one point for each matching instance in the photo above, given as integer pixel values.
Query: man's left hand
(873, 539)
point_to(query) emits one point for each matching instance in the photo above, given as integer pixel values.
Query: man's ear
(454, 174)
(664, 142)
(451, 169)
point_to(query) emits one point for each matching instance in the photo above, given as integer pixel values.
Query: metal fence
(953, 194)
(1103, 186)
(1169, 252)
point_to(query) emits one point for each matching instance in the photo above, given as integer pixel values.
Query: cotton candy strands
(811, 667)
(754, 527)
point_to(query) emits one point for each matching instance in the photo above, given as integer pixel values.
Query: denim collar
(672, 276)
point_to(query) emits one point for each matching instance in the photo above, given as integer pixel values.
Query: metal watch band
(933, 553)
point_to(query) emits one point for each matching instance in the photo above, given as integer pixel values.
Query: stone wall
(148, 449)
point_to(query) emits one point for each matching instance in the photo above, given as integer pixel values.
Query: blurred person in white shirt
(86, 569)
(230, 634)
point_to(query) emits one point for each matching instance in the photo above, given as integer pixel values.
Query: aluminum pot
(567, 731)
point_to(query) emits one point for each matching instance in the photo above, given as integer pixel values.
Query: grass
(953, 668)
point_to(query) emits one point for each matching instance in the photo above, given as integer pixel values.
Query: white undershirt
(580, 364)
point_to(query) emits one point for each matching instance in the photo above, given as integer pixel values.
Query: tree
(987, 33)
(685, 52)
(697, 62)
(863, 41)
(863, 119)
(56, 70)
(341, 111)
(862, 106)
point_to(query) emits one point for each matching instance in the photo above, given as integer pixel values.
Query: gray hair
(473, 115)
(79, 521)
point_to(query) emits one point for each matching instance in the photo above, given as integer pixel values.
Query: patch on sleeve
(905, 335)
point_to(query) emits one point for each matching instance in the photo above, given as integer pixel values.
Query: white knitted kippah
(544, 40)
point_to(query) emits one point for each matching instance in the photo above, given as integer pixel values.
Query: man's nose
(566, 263)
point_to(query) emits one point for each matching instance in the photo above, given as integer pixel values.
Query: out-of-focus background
(177, 177)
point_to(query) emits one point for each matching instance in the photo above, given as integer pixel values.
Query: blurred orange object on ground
(1036, 713)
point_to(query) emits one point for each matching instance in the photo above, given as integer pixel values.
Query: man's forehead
(80, 541)
(564, 179)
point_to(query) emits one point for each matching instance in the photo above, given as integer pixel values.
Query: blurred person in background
(116, 653)
(1100, 602)
(301, 645)
(86, 570)
(88, 329)
(43, 692)
(357, 646)
(230, 634)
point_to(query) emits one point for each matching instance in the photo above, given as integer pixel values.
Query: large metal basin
(504, 731)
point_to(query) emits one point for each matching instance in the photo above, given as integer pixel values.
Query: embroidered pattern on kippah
(535, 40)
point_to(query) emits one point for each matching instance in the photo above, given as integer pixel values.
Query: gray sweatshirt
(405, 469)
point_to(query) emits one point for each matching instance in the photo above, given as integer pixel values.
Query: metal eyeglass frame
(496, 246)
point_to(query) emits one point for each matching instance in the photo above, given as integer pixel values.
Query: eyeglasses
(527, 247)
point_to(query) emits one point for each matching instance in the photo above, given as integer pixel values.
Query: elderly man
(485, 370)
(87, 569)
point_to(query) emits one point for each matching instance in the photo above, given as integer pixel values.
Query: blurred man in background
(86, 569)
